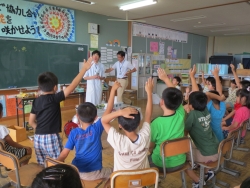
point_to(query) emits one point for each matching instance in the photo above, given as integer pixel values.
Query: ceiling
(232, 15)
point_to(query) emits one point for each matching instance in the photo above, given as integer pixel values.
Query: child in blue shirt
(87, 141)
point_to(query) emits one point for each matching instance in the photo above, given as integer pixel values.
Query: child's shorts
(104, 173)
(198, 157)
(19, 153)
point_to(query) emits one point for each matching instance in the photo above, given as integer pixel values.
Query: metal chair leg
(243, 149)
(202, 171)
(223, 183)
(183, 179)
(231, 172)
(238, 162)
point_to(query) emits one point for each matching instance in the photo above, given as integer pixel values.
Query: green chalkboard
(22, 61)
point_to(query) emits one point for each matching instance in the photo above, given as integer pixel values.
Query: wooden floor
(172, 181)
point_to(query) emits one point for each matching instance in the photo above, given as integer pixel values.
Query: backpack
(68, 127)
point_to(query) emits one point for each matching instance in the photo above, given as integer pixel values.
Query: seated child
(244, 84)
(130, 148)
(230, 101)
(241, 115)
(45, 116)
(10, 146)
(168, 126)
(227, 120)
(207, 83)
(177, 82)
(87, 141)
(198, 125)
(58, 176)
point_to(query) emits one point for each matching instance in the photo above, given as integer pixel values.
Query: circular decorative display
(55, 23)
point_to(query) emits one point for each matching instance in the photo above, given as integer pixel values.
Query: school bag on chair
(68, 127)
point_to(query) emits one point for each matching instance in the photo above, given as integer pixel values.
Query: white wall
(228, 44)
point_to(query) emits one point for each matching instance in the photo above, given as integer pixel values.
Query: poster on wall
(24, 19)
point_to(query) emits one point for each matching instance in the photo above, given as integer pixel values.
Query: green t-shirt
(167, 128)
(198, 126)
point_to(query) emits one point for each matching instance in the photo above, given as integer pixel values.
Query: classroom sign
(23, 19)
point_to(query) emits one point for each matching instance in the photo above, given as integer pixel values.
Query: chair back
(244, 125)
(174, 147)
(2, 144)
(134, 178)
(52, 162)
(225, 150)
(10, 161)
(236, 134)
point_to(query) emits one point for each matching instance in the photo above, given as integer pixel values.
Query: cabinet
(143, 63)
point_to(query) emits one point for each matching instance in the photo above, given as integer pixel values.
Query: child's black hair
(233, 81)
(209, 79)
(47, 81)
(244, 84)
(96, 52)
(1, 108)
(58, 176)
(245, 93)
(245, 183)
(178, 79)
(128, 124)
(213, 83)
(198, 100)
(172, 98)
(215, 101)
(200, 88)
(87, 112)
(238, 92)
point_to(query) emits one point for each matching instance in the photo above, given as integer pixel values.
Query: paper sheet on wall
(134, 79)
(93, 41)
(153, 46)
(161, 48)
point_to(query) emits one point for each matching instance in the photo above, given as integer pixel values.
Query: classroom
(124, 93)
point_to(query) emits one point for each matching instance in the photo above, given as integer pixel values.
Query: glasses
(58, 176)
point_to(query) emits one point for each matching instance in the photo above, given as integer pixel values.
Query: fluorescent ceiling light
(209, 25)
(188, 18)
(138, 4)
(229, 29)
(85, 2)
(246, 33)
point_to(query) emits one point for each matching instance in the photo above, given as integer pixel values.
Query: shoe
(195, 185)
(209, 175)
(242, 141)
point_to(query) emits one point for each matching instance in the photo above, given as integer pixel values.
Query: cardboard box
(243, 72)
(18, 134)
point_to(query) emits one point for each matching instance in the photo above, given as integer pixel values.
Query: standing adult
(123, 69)
(94, 77)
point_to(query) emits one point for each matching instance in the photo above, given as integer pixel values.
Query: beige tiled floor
(172, 181)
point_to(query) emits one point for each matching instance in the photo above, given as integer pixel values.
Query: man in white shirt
(131, 148)
(94, 77)
(123, 68)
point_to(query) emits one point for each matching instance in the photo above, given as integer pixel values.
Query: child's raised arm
(78, 78)
(163, 76)
(203, 79)
(192, 73)
(215, 72)
(237, 80)
(125, 112)
(149, 89)
(110, 104)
